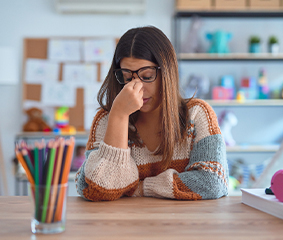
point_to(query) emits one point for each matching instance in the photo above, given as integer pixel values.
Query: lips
(145, 100)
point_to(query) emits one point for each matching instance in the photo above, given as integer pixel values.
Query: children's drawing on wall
(79, 74)
(98, 50)
(79, 158)
(58, 94)
(64, 50)
(40, 70)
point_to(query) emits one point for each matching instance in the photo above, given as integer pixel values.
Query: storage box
(193, 4)
(231, 5)
(264, 4)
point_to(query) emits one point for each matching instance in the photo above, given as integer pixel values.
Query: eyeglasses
(146, 74)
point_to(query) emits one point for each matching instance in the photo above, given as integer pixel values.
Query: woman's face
(151, 90)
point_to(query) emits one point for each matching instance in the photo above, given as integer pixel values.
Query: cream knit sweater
(198, 169)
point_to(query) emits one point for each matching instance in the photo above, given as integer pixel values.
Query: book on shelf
(257, 198)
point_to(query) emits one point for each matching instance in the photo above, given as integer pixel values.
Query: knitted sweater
(198, 169)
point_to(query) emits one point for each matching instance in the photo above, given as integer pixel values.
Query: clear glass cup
(48, 208)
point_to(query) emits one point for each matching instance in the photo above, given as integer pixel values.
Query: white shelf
(37, 135)
(229, 56)
(253, 148)
(252, 103)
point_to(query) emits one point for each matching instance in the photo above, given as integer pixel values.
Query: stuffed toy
(227, 120)
(35, 121)
(198, 85)
(219, 42)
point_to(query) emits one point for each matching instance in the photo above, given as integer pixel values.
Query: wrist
(117, 113)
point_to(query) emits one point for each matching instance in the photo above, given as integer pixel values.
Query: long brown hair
(151, 44)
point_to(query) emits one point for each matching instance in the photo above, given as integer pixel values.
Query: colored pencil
(64, 180)
(23, 163)
(50, 167)
(28, 161)
(57, 168)
(47, 167)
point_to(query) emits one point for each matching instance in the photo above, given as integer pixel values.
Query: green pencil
(50, 170)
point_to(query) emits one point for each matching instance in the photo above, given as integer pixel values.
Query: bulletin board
(37, 48)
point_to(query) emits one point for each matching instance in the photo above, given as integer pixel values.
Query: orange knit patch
(91, 139)
(153, 169)
(181, 191)
(214, 167)
(95, 193)
(210, 114)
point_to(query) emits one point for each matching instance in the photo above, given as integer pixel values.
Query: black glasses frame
(137, 72)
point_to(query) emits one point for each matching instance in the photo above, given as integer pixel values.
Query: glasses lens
(147, 74)
(123, 76)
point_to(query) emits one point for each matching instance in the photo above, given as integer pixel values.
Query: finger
(138, 85)
(132, 83)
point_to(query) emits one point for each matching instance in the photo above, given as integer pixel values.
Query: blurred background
(54, 55)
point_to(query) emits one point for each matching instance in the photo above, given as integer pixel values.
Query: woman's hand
(130, 98)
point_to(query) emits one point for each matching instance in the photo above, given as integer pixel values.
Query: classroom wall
(38, 18)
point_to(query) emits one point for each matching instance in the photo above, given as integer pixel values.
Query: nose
(135, 76)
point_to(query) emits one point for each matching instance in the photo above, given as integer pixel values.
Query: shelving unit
(247, 150)
(246, 103)
(229, 57)
(252, 148)
(220, 14)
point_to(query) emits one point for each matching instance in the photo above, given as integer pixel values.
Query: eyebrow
(137, 69)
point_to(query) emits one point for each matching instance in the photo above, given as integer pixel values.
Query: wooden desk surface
(146, 218)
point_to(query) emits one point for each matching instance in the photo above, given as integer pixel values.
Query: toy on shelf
(219, 42)
(263, 89)
(227, 120)
(249, 88)
(254, 44)
(62, 122)
(227, 89)
(35, 121)
(273, 45)
(240, 96)
(191, 43)
(220, 93)
(198, 85)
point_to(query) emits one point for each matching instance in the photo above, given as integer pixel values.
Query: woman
(147, 140)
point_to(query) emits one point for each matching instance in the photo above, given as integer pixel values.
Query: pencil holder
(48, 208)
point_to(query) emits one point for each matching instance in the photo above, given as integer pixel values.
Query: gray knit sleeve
(207, 172)
(80, 176)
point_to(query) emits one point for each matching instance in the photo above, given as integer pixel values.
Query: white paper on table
(90, 93)
(40, 70)
(89, 113)
(80, 74)
(58, 94)
(64, 50)
(98, 50)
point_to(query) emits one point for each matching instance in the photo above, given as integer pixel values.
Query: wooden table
(146, 218)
